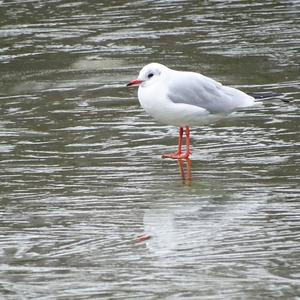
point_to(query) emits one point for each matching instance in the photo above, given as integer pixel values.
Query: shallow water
(81, 173)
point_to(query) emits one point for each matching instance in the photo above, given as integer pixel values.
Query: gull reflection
(168, 228)
(177, 225)
(160, 224)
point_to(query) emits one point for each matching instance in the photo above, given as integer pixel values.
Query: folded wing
(196, 89)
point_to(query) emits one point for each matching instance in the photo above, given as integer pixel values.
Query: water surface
(81, 173)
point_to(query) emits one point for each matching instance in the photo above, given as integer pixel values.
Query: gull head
(149, 74)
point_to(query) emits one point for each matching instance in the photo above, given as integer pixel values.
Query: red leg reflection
(142, 238)
(185, 175)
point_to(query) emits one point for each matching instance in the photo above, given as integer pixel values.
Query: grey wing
(196, 89)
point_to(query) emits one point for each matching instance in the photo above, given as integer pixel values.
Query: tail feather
(263, 96)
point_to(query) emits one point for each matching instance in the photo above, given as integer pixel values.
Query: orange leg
(179, 154)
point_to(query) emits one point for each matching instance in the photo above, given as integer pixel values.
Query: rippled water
(81, 173)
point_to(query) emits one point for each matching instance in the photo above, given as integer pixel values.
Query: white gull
(185, 99)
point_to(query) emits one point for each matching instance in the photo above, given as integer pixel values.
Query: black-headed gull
(184, 99)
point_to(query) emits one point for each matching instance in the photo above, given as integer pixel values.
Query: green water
(80, 167)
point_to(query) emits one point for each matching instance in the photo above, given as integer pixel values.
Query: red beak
(135, 82)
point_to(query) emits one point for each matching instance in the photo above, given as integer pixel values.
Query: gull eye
(150, 75)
